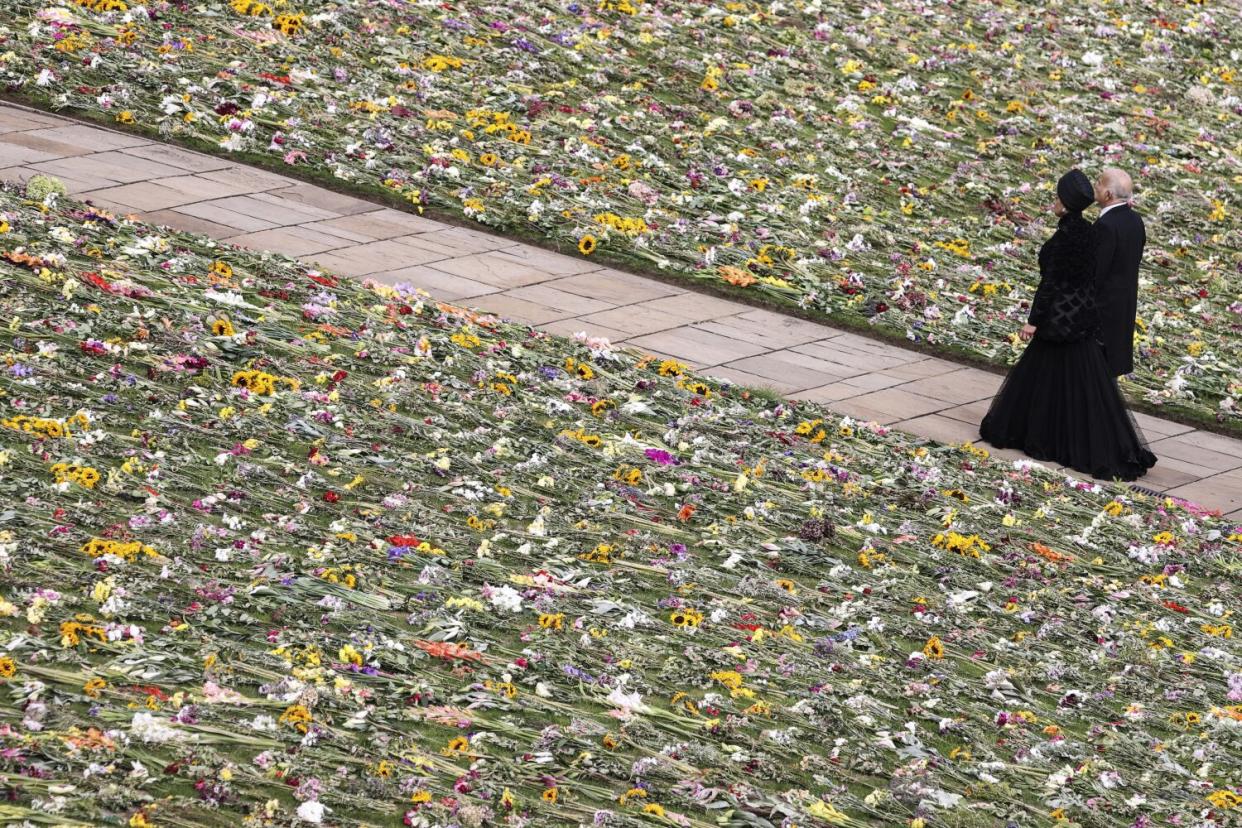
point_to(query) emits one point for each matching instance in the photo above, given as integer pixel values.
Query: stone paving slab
(561, 293)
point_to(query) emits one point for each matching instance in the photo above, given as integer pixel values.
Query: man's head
(1113, 187)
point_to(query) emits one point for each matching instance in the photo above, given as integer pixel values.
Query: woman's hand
(1027, 332)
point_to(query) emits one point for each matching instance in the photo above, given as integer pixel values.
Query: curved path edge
(852, 374)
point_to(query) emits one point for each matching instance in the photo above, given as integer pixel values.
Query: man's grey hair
(1118, 182)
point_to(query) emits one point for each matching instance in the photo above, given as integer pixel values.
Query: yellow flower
(671, 368)
(933, 648)
(825, 811)
(350, 655)
(550, 795)
(587, 245)
(298, 717)
(8, 667)
(222, 327)
(125, 117)
(686, 617)
(288, 24)
(438, 63)
(1224, 799)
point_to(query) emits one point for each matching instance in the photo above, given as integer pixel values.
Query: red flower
(1176, 607)
(404, 540)
(97, 280)
(331, 496)
(322, 279)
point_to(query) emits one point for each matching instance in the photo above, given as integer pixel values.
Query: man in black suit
(1120, 237)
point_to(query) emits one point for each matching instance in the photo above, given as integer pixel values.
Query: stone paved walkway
(852, 374)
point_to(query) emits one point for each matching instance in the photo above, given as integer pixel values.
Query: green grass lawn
(884, 167)
(282, 548)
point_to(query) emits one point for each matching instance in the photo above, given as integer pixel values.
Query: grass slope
(880, 165)
(280, 549)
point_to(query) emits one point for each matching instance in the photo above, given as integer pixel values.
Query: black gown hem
(1060, 404)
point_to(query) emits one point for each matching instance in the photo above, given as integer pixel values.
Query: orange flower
(736, 276)
(448, 650)
(1050, 554)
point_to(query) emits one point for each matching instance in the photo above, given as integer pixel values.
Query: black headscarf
(1075, 191)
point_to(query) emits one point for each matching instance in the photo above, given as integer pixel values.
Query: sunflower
(8, 667)
(488, 159)
(288, 24)
(671, 368)
(587, 245)
(686, 617)
(549, 795)
(933, 648)
(222, 327)
(222, 269)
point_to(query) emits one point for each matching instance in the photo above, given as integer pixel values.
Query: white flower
(627, 701)
(1093, 58)
(506, 598)
(153, 731)
(311, 812)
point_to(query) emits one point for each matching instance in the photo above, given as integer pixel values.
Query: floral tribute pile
(885, 162)
(279, 548)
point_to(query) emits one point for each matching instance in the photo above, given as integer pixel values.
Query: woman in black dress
(1060, 402)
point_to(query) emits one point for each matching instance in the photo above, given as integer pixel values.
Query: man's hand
(1028, 331)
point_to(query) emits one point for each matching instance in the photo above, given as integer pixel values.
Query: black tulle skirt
(1061, 404)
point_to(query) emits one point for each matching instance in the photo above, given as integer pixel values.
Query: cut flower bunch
(280, 548)
(877, 164)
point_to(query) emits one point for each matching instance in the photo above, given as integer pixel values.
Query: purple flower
(662, 457)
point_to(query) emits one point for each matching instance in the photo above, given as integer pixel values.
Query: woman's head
(1074, 193)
